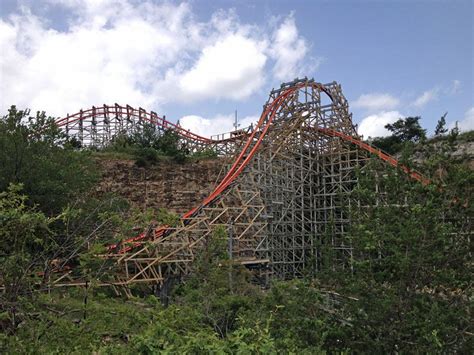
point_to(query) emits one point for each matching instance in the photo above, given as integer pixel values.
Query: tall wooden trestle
(284, 200)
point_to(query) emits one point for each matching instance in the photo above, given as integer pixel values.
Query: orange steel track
(254, 138)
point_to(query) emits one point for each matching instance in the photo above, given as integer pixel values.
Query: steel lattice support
(285, 197)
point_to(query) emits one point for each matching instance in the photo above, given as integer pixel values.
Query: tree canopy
(34, 153)
(403, 131)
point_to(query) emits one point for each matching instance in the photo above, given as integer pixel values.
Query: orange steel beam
(379, 153)
(249, 150)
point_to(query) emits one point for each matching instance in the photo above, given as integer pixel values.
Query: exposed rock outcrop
(176, 187)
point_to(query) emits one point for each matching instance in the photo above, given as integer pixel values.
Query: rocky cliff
(180, 187)
(176, 187)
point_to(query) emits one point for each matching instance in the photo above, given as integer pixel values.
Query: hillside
(180, 186)
(462, 149)
(173, 186)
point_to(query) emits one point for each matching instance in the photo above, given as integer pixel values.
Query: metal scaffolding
(284, 199)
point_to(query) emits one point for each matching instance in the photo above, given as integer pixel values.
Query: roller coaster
(284, 197)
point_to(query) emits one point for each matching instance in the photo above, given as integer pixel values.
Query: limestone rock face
(461, 150)
(176, 187)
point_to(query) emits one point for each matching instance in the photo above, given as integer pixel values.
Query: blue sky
(198, 61)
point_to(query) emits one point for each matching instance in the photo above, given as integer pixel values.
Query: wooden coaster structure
(98, 126)
(284, 201)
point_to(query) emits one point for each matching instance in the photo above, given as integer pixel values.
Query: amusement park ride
(285, 197)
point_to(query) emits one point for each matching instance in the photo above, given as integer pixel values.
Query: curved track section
(101, 123)
(303, 111)
(377, 152)
(99, 118)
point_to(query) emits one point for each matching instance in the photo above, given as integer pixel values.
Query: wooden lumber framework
(285, 200)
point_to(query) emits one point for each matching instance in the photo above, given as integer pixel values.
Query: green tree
(441, 126)
(453, 134)
(35, 153)
(411, 261)
(25, 240)
(407, 129)
(219, 288)
(148, 144)
(404, 131)
(169, 143)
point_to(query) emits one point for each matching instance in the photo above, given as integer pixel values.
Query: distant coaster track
(107, 112)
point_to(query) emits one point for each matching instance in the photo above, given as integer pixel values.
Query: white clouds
(380, 103)
(455, 87)
(232, 67)
(86, 65)
(289, 50)
(433, 94)
(374, 125)
(467, 123)
(377, 101)
(214, 125)
(144, 54)
(426, 97)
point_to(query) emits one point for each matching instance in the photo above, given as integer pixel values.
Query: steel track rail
(248, 151)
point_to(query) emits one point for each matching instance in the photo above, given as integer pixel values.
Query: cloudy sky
(199, 61)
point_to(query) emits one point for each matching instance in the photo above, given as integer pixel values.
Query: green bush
(149, 146)
(35, 153)
(146, 156)
(204, 154)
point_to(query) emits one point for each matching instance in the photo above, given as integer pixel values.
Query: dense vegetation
(407, 133)
(410, 289)
(148, 147)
